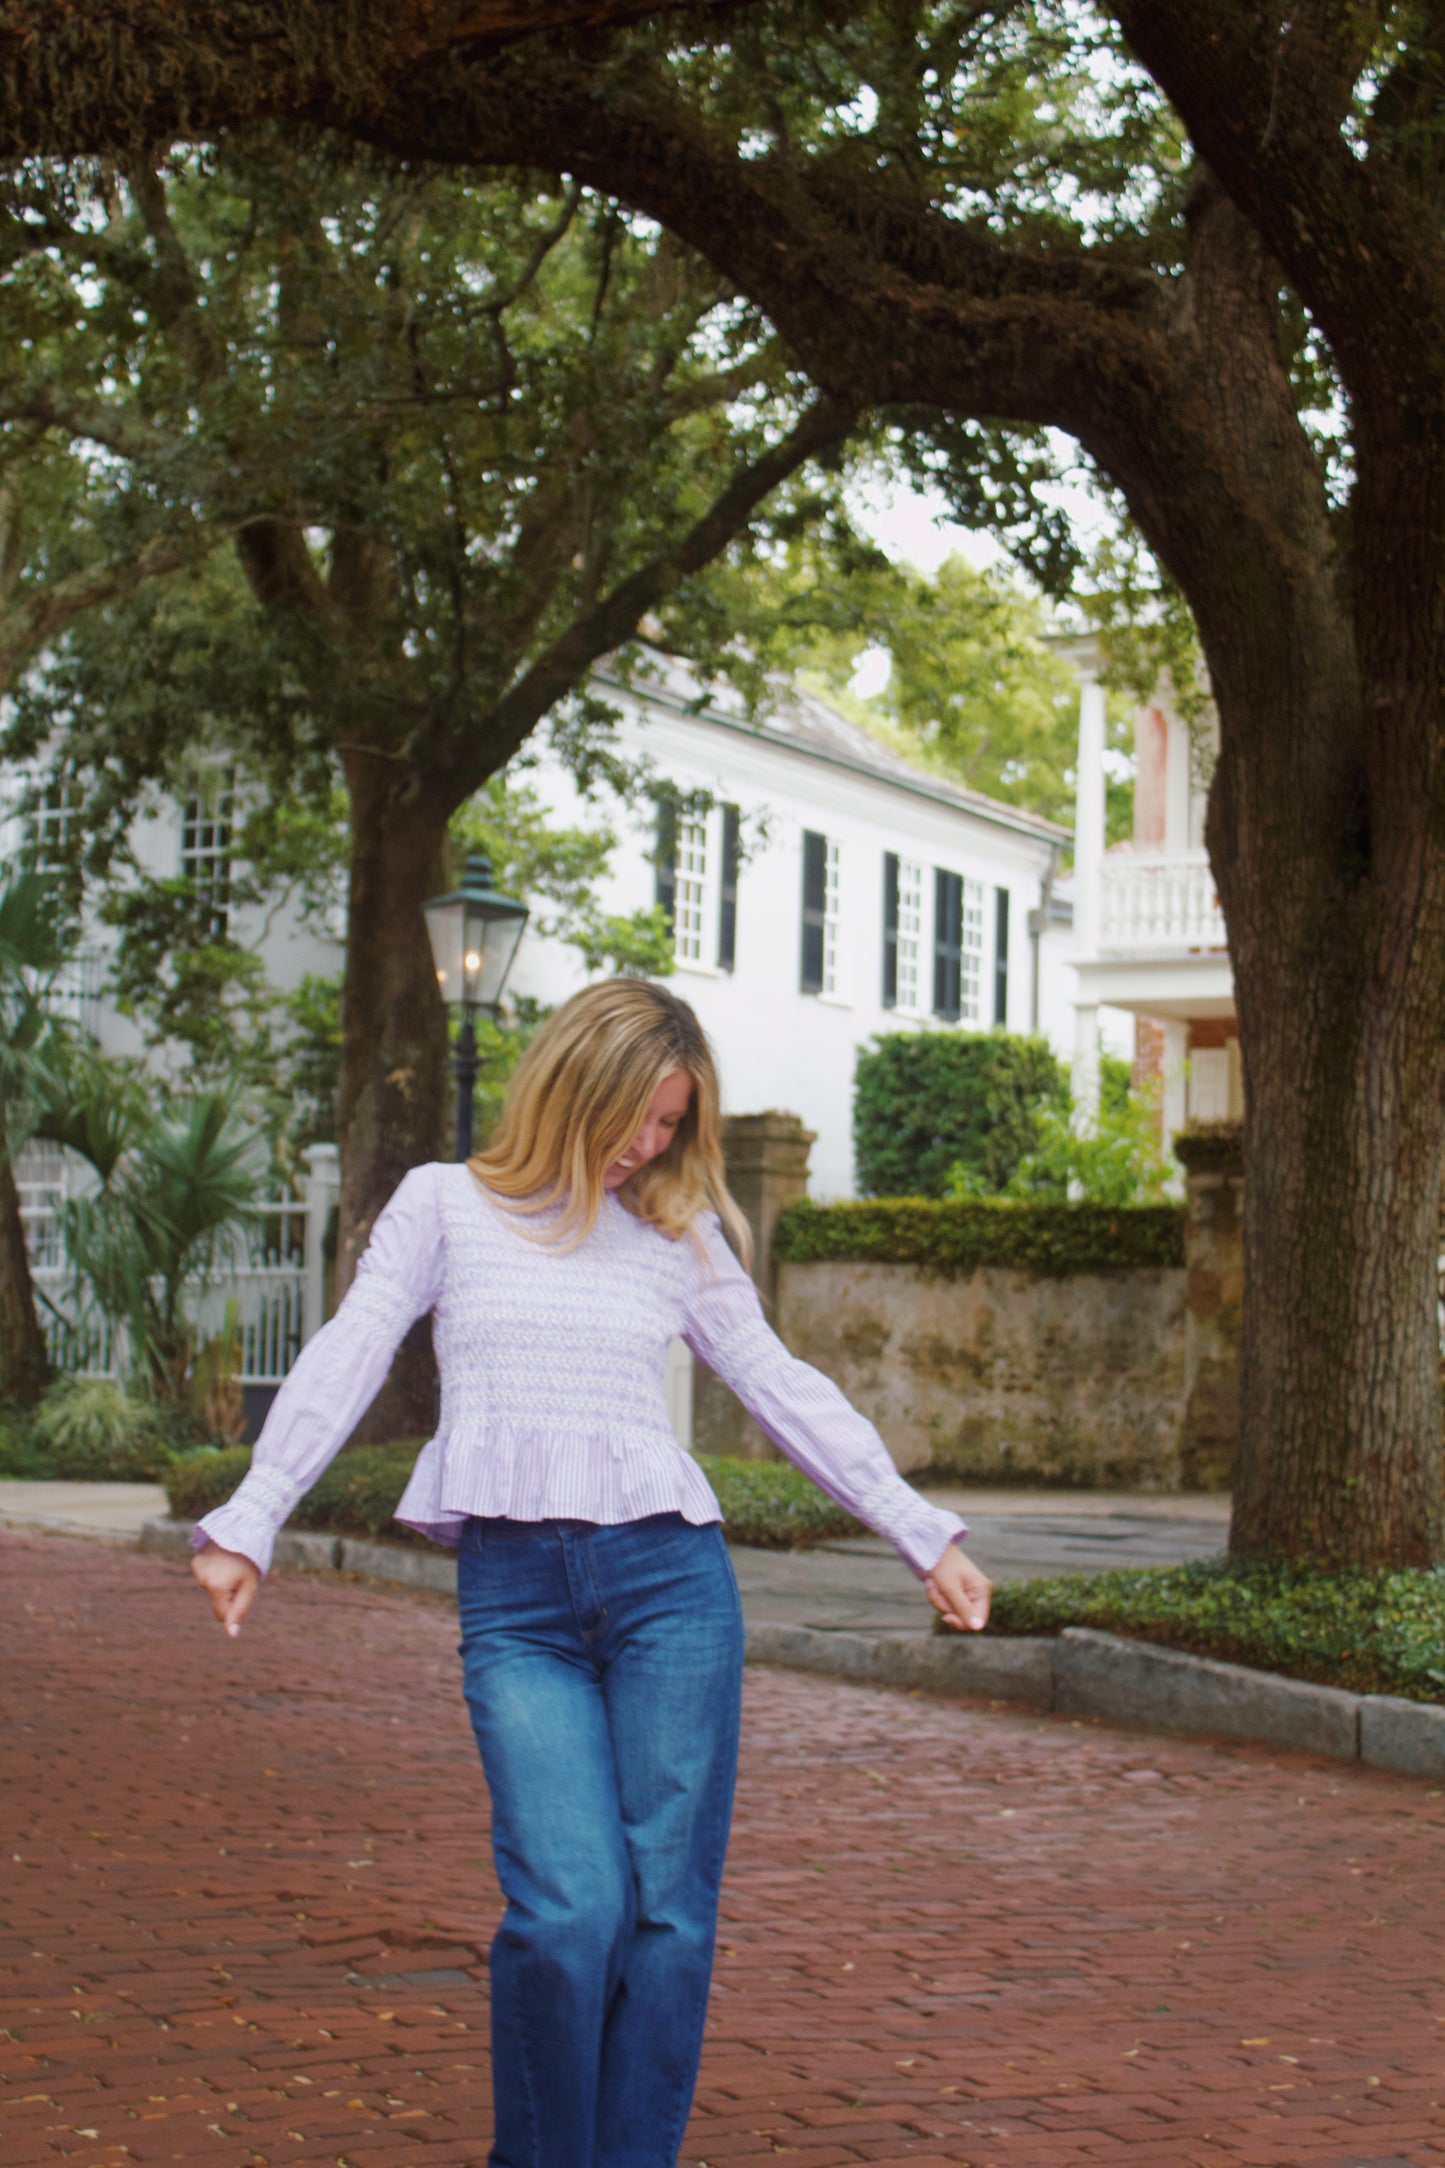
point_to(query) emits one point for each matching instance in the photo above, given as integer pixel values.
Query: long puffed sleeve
(338, 1373)
(803, 1412)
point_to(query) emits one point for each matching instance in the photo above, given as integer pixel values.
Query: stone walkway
(863, 1587)
(246, 1901)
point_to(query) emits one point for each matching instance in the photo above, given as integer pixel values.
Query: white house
(833, 891)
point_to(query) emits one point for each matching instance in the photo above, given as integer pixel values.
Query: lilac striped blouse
(552, 1370)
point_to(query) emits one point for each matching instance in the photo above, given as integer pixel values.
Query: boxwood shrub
(1373, 1632)
(926, 1101)
(956, 1239)
(770, 1504)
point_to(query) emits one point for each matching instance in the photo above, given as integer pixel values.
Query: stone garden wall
(1067, 1345)
(1003, 1376)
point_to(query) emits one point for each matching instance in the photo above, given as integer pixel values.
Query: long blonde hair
(578, 1097)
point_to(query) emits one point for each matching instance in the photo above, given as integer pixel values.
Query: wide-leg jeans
(603, 1670)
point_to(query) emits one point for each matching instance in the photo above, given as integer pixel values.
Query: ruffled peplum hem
(520, 1473)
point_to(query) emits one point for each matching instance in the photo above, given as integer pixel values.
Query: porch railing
(1158, 903)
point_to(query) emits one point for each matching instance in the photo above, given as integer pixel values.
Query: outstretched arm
(326, 1391)
(804, 1413)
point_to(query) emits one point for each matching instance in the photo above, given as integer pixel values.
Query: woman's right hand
(230, 1581)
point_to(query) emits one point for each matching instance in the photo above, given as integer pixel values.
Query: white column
(323, 1187)
(1089, 819)
(1176, 784)
(1084, 1079)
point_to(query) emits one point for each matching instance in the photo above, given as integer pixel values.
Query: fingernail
(233, 1629)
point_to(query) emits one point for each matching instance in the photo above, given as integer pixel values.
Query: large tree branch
(887, 300)
(1265, 104)
(137, 73)
(884, 298)
(88, 419)
(280, 568)
(32, 618)
(615, 616)
(175, 291)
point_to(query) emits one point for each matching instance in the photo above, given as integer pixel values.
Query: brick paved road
(246, 1920)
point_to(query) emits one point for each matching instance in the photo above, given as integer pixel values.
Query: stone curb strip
(1081, 1673)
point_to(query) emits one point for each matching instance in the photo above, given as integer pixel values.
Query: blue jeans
(603, 1670)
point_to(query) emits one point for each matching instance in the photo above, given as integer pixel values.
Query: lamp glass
(474, 933)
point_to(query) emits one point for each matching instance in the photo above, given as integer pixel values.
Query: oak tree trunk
(1334, 892)
(393, 1102)
(24, 1364)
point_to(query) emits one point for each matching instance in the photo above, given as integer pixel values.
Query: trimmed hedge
(1211, 1148)
(769, 1504)
(1373, 1632)
(927, 1101)
(773, 1506)
(956, 1239)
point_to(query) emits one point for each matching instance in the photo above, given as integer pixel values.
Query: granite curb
(1079, 1673)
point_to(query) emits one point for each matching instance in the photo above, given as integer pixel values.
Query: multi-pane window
(957, 947)
(696, 873)
(689, 890)
(206, 819)
(821, 900)
(971, 961)
(54, 822)
(902, 932)
(910, 934)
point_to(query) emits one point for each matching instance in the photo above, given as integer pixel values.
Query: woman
(602, 1640)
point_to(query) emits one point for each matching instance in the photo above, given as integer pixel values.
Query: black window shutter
(890, 929)
(947, 945)
(665, 857)
(815, 904)
(1000, 956)
(727, 924)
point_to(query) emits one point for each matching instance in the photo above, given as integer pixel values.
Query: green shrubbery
(773, 1505)
(1117, 1160)
(1371, 1632)
(767, 1503)
(91, 1430)
(927, 1101)
(956, 1239)
(94, 1431)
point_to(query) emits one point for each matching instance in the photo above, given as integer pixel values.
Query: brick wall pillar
(767, 1168)
(1213, 1162)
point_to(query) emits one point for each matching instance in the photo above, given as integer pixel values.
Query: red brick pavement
(246, 1901)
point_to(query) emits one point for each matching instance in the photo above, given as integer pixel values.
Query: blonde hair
(577, 1099)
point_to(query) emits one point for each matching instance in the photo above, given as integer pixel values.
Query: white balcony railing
(1158, 903)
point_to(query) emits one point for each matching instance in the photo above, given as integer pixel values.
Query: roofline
(955, 795)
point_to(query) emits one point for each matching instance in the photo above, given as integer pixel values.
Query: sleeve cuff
(234, 1529)
(924, 1533)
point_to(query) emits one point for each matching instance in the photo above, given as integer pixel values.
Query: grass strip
(1370, 1631)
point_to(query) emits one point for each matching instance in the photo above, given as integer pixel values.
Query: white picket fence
(278, 1283)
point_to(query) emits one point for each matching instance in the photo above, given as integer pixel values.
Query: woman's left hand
(959, 1590)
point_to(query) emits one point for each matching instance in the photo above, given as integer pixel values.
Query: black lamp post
(474, 934)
